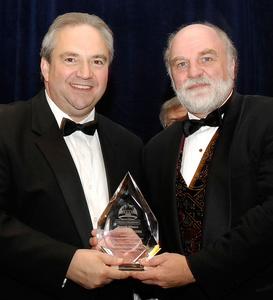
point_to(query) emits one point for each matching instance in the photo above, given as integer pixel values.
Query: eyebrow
(70, 54)
(73, 54)
(175, 59)
(102, 56)
(203, 52)
(208, 51)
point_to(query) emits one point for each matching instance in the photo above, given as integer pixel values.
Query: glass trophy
(128, 228)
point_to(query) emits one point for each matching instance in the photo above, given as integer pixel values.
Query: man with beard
(213, 191)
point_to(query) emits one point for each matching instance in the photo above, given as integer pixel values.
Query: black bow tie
(68, 127)
(213, 119)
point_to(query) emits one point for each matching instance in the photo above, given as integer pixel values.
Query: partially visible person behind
(171, 111)
(60, 162)
(213, 191)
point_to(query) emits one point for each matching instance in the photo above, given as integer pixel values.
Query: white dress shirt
(194, 148)
(87, 156)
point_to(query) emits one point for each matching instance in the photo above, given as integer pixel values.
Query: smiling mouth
(198, 86)
(82, 87)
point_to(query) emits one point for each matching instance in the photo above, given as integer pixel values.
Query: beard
(205, 99)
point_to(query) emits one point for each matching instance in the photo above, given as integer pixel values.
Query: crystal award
(128, 228)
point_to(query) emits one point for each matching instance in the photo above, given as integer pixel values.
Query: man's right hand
(92, 269)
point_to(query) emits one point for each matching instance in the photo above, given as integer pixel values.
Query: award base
(131, 267)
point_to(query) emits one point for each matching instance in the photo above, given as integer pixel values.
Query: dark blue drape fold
(138, 81)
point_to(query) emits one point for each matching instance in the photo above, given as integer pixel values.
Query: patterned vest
(191, 200)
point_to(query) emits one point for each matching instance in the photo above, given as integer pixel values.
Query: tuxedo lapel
(218, 201)
(53, 146)
(168, 158)
(110, 155)
(174, 152)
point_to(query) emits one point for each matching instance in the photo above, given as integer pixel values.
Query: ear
(233, 68)
(45, 66)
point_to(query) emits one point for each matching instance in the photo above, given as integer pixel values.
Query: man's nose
(195, 70)
(85, 70)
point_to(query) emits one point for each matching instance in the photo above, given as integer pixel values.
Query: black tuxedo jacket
(237, 251)
(43, 212)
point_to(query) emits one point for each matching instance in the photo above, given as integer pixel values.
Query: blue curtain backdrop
(138, 80)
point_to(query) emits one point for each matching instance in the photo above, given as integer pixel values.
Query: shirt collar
(59, 114)
(192, 117)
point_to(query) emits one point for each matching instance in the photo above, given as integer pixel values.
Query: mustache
(194, 81)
